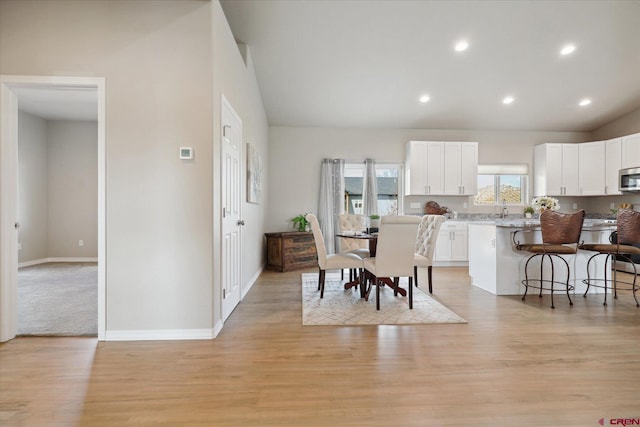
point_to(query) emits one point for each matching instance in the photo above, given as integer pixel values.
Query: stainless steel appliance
(629, 179)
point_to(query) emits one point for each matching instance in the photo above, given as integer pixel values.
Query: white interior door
(231, 194)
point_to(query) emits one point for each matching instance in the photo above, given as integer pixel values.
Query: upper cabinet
(556, 171)
(613, 164)
(460, 168)
(592, 167)
(441, 168)
(585, 169)
(631, 151)
(425, 174)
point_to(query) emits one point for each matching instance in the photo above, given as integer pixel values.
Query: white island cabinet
(496, 266)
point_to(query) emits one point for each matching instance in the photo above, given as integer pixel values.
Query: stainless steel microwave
(629, 179)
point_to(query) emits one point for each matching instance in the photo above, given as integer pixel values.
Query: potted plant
(300, 222)
(374, 221)
(528, 211)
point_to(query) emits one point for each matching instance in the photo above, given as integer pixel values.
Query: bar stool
(560, 236)
(627, 235)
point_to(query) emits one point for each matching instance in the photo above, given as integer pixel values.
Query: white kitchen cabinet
(496, 266)
(425, 173)
(556, 170)
(441, 168)
(613, 164)
(452, 244)
(592, 168)
(631, 151)
(460, 168)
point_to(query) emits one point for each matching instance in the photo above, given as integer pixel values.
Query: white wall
(58, 188)
(625, 125)
(238, 83)
(32, 187)
(161, 61)
(156, 58)
(72, 189)
(295, 155)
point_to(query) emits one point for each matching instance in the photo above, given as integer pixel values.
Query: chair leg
(415, 275)
(322, 273)
(377, 294)
(319, 278)
(410, 293)
(372, 282)
(430, 281)
(342, 274)
(396, 284)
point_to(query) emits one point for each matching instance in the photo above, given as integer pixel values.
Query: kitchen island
(495, 264)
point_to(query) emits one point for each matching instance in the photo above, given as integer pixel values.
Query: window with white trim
(498, 184)
(389, 183)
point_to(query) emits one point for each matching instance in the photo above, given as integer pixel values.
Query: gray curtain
(370, 189)
(331, 203)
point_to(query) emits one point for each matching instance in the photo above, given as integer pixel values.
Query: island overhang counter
(496, 266)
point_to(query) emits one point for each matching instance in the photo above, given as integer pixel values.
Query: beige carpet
(345, 307)
(58, 299)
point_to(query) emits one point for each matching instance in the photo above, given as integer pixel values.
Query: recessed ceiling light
(567, 49)
(508, 99)
(462, 45)
(424, 99)
(584, 102)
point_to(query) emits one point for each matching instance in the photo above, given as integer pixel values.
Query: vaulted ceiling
(366, 63)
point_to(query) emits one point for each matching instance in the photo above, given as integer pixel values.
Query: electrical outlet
(612, 206)
(415, 205)
(80, 242)
(19, 246)
(465, 205)
(575, 206)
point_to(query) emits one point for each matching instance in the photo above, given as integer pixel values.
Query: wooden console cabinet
(291, 250)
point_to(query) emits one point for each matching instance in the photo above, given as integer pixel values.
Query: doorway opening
(73, 189)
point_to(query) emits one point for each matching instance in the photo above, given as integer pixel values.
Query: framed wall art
(254, 175)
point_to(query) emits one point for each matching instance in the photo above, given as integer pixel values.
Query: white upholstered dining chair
(329, 261)
(394, 253)
(425, 244)
(360, 247)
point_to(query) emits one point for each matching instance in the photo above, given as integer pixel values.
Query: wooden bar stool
(560, 236)
(627, 235)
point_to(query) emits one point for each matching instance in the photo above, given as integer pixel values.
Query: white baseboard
(161, 335)
(59, 259)
(252, 281)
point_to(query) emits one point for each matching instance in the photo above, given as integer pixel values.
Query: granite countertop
(589, 224)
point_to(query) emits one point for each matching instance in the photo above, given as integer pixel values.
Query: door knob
(240, 222)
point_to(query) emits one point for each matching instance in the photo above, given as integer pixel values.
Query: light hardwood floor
(513, 364)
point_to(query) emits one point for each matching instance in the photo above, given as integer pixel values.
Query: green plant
(374, 216)
(529, 210)
(300, 222)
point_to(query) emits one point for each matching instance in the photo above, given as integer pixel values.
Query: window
(501, 183)
(388, 180)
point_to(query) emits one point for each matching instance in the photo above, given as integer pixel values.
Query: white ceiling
(58, 103)
(365, 63)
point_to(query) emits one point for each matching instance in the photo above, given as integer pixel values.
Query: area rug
(58, 299)
(345, 307)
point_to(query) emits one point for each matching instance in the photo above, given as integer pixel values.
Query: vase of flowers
(543, 203)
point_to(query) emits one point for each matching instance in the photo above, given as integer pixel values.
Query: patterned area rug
(345, 307)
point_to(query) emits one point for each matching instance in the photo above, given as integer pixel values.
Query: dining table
(372, 239)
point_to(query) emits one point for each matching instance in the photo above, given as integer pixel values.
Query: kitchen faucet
(505, 212)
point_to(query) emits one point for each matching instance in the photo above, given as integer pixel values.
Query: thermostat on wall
(186, 153)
